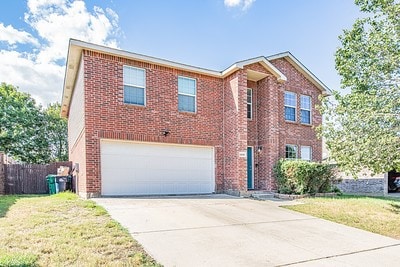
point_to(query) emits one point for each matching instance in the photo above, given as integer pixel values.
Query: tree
(20, 124)
(28, 133)
(56, 133)
(362, 128)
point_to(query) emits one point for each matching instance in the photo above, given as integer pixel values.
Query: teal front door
(250, 168)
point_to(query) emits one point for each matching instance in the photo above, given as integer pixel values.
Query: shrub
(303, 177)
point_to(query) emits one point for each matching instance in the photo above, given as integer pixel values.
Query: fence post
(2, 175)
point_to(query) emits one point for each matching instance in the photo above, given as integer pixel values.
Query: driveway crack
(340, 255)
(219, 226)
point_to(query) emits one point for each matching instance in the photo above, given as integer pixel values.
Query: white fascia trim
(230, 70)
(317, 82)
(143, 58)
(71, 69)
(266, 64)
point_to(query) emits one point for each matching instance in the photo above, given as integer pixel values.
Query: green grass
(7, 201)
(18, 259)
(375, 214)
(64, 230)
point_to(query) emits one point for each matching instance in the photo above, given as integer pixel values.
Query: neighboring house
(140, 125)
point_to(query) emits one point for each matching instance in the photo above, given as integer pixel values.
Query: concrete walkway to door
(220, 230)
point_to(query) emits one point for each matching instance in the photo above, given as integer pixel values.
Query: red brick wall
(235, 132)
(220, 120)
(108, 117)
(268, 127)
(263, 129)
(230, 133)
(294, 132)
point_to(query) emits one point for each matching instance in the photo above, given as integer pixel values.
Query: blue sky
(211, 34)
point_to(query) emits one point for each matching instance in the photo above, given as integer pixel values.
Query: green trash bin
(51, 182)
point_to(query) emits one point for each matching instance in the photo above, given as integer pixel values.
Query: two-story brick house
(140, 125)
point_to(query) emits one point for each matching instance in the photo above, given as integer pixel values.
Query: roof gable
(303, 70)
(262, 61)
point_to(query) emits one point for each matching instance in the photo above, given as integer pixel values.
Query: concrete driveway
(220, 230)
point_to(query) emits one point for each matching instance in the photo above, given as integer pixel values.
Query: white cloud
(247, 4)
(232, 3)
(42, 81)
(54, 22)
(69, 20)
(13, 36)
(242, 4)
(38, 5)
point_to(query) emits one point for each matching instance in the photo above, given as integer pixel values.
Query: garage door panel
(130, 168)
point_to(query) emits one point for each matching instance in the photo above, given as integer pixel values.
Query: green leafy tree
(56, 133)
(21, 126)
(362, 128)
(27, 132)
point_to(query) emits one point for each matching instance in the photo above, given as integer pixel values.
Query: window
(291, 152)
(290, 106)
(186, 94)
(249, 103)
(305, 109)
(134, 86)
(305, 152)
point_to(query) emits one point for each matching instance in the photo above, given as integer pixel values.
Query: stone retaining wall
(373, 186)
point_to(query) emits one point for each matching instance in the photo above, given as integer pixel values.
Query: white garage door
(129, 168)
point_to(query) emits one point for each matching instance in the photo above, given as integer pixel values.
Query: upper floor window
(290, 106)
(305, 109)
(134, 85)
(305, 152)
(291, 151)
(186, 94)
(249, 103)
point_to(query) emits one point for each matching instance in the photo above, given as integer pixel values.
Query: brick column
(2, 175)
(235, 133)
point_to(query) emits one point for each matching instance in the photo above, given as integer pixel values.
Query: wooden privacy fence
(29, 178)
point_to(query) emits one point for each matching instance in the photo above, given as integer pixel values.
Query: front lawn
(375, 214)
(63, 230)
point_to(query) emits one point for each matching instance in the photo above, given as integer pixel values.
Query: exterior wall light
(165, 132)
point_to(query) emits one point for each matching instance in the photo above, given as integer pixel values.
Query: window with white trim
(249, 103)
(290, 106)
(291, 152)
(305, 109)
(134, 85)
(186, 94)
(305, 153)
